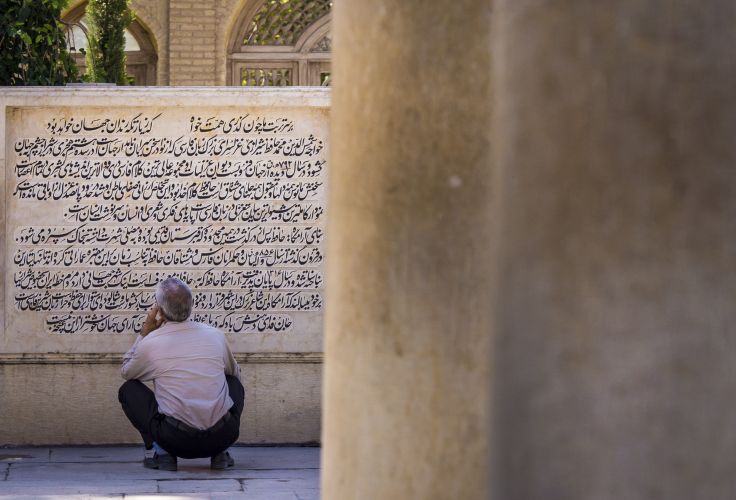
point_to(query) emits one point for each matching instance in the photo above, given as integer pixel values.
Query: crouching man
(194, 410)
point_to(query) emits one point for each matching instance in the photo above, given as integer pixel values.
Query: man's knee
(127, 388)
(237, 393)
(234, 385)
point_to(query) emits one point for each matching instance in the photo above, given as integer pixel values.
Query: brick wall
(192, 47)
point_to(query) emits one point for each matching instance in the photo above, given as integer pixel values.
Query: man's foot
(160, 462)
(148, 454)
(221, 461)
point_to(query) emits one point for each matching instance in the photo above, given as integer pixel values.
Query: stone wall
(108, 191)
(45, 402)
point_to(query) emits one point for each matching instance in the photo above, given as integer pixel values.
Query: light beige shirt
(187, 362)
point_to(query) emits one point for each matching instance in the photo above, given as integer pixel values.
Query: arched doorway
(140, 52)
(281, 43)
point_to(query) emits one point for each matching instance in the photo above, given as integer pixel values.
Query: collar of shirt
(170, 327)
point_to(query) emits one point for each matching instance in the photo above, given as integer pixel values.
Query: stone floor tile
(135, 470)
(276, 458)
(259, 485)
(251, 457)
(228, 495)
(77, 487)
(198, 486)
(97, 454)
(63, 497)
(85, 472)
(271, 495)
(308, 474)
(176, 496)
(14, 455)
(307, 494)
(108, 472)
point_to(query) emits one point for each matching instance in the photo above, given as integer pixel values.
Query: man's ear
(160, 314)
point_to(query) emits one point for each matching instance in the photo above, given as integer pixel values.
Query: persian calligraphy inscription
(102, 204)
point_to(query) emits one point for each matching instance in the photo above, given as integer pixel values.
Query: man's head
(175, 299)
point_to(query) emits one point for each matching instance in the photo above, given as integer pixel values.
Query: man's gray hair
(175, 299)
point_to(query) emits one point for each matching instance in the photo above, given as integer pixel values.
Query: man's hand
(153, 320)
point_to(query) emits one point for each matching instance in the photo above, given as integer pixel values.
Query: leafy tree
(32, 44)
(107, 21)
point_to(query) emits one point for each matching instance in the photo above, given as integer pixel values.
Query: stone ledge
(96, 358)
(276, 97)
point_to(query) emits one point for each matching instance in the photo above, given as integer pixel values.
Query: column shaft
(409, 263)
(614, 135)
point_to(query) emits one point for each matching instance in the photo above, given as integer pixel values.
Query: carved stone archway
(140, 51)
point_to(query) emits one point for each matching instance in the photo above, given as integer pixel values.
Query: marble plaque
(103, 202)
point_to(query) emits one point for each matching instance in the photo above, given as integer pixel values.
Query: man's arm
(136, 365)
(231, 366)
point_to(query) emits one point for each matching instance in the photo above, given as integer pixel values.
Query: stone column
(615, 136)
(409, 286)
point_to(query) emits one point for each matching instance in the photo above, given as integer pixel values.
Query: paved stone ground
(117, 472)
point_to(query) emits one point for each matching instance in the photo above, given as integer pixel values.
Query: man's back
(188, 362)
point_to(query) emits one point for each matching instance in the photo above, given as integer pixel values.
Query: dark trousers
(139, 405)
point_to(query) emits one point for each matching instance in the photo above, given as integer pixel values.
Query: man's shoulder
(204, 327)
(170, 331)
(173, 337)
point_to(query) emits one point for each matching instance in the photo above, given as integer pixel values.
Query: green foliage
(32, 44)
(107, 21)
